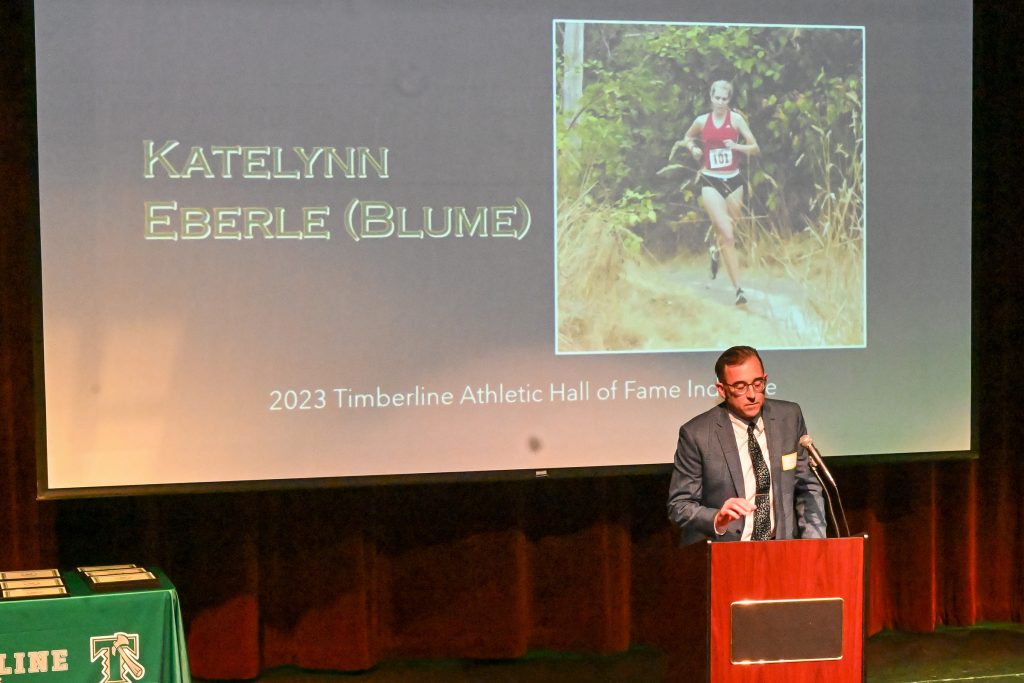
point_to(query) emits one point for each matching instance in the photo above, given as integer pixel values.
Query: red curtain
(342, 579)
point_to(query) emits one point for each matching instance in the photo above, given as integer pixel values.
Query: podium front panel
(828, 573)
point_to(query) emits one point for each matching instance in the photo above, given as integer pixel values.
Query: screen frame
(44, 492)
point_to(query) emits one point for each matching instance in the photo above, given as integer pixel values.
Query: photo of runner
(709, 185)
(721, 181)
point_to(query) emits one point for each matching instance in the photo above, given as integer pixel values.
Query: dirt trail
(676, 306)
(778, 302)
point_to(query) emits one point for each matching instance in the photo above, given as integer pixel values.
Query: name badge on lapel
(789, 461)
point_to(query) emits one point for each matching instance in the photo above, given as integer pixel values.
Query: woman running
(720, 177)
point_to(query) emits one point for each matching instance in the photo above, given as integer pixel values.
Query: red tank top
(718, 159)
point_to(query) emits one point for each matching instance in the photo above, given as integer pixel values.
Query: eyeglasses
(740, 388)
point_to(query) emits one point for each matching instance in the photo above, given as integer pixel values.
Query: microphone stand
(817, 462)
(828, 499)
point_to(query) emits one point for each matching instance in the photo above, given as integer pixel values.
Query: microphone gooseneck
(818, 463)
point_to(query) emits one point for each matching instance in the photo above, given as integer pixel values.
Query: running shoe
(713, 250)
(740, 299)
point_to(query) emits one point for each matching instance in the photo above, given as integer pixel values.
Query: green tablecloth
(117, 637)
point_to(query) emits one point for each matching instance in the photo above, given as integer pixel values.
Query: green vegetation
(622, 202)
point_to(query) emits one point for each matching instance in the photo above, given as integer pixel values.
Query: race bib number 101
(719, 158)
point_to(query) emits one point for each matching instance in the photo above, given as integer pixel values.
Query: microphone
(807, 442)
(817, 462)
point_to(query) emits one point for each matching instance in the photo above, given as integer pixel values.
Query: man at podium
(740, 473)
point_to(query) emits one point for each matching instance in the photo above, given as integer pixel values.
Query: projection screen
(362, 240)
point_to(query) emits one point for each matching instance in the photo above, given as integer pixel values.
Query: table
(119, 637)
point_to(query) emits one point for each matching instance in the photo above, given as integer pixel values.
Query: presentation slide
(300, 239)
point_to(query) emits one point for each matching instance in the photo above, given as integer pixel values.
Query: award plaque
(105, 581)
(34, 583)
(102, 567)
(30, 574)
(103, 578)
(25, 593)
(115, 572)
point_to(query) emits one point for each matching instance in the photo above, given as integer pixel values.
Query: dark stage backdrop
(342, 579)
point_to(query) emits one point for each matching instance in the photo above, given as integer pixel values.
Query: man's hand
(732, 509)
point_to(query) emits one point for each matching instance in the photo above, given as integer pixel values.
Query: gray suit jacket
(707, 472)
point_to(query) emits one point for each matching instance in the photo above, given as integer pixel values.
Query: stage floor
(987, 653)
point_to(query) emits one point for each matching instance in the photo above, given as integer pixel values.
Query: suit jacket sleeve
(690, 499)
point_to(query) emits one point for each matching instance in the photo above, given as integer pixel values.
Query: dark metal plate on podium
(807, 630)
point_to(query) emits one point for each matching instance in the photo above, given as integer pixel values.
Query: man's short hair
(735, 356)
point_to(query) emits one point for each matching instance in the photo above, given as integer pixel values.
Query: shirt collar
(740, 422)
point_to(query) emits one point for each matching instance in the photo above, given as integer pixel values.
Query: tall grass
(827, 255)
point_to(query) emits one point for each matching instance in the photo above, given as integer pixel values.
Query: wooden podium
(790, 611)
